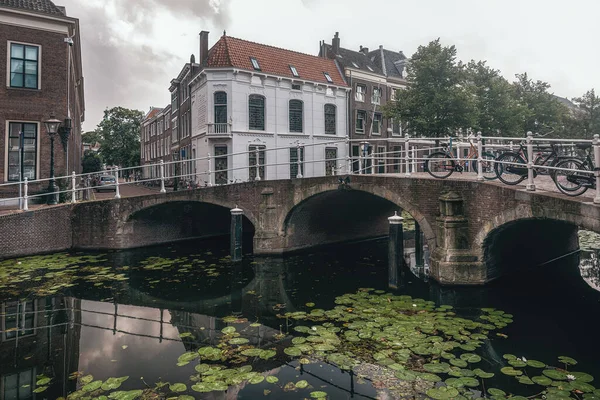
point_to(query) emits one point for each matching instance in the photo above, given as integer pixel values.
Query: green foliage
(119, 136)
(91, 162)
(588, 116)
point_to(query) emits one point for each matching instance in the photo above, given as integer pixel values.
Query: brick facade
(38, 105)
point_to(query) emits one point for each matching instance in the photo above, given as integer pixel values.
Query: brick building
(41, 77)
(155, 141)
(374, 78)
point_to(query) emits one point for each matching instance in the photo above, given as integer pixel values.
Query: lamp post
(52, 126)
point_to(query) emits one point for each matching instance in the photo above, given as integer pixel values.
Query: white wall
(277, 93)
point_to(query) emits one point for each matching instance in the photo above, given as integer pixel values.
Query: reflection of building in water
(39, 336)
(589, 267)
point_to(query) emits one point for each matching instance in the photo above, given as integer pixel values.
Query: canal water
(127, 320)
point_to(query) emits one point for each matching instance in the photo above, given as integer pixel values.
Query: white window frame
(392, 122)
(39, 46)
(255, 63)
(294, 71)
(376, 95)
(3, 320)
(364, 119)
(6, 140)
(360, 94)
(328, 77)
(380, 127)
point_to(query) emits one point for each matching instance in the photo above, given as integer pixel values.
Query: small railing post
(162, 177)
(117, 192)
(25, 195)
(373, 162)
(407, 155)
(479, 157)
(209, 170)
(299, 172)
(596, 143)
(530, 183)
(395, 251)
(73, 188)
(360, 162)
(348, 158)
(257, 165)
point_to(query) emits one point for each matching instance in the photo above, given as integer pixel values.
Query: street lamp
(52, 126)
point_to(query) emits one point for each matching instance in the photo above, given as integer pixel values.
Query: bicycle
(441, 164)
(511, 167)
(571, 182)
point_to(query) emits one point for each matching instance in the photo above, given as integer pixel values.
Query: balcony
(219, 130)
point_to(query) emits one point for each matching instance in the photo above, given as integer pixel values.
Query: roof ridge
(277, 48)
(40, 6)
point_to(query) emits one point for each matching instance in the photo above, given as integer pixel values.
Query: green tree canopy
(588, 115)
(436, 102)
(119, 133)
(91, 162)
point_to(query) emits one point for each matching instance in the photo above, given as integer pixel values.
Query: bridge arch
(329, 213)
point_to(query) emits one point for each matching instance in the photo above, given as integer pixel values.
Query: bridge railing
(345, 156)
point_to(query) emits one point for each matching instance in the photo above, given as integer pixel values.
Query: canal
(183, 322)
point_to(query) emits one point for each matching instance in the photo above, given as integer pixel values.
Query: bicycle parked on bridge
(442, 164)
(575, 182)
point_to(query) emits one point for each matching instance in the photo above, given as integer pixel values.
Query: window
(361, 116)
(355, 157)
(24, 66)
(19, 319)
(330, 160)
(380, 159)
(360, 92)
(296, 160)
(376, 124)
(255, 63)
(329, 119)
(256, 112)
(328, 77)
(376, 96)
(296, 86)
(174, 103)
(19, 386)
(396, 129)
(220, 107)
(221, 165)
(174, 137)
(166, 123)
(393, 95)
(256, 156)
(294, 70)
(22, 151)
(296, 110)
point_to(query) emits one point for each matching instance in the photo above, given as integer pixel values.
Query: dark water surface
(133, 327)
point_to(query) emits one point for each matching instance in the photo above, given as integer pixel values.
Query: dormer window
(294, 70)
(328, 77)
(255, 63)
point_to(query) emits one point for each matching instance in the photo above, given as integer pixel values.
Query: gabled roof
(392, 63)
(43, 6)
(154, 111)
(354, 59)
(237, 53)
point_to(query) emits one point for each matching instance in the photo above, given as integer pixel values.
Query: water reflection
(590, 268)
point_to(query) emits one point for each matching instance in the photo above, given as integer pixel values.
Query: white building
(281, 106)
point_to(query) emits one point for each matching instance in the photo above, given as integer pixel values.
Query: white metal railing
(219, 129)
(407, 159)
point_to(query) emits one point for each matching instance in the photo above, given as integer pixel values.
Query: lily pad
(266, 354)
(469, 382)
(582, 376)
(496, 392)
(292, 351)
(301, 384)
(228, 330)
(536, 364)
(525, 380)
(87, 379)
(509, 357)
(542, 380)
(40, 389)
(510, 371)
(318, 395)
(437, 368)
(482, 374)
(517, 363)
(187, 357)
(113, 383)
(272, 379)
(567, 360)
(582, 386)
(238, 340)
(178, 387)
(442, 393)
(251, 352)
(555, 374)
(255, 380)
(470, 358)
(426, 376)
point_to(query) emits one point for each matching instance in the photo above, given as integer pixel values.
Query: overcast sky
(133, 48)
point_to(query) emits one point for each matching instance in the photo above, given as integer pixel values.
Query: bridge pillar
(454, 262)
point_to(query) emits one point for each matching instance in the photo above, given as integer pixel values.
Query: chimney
(364, 50)
(203, 47)
(335, 43)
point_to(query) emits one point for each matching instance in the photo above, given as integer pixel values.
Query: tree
(92, 162)
(435, 103)
(588, 115)
(542, 112)
(497, 110)
(119, 133)
(91, 137)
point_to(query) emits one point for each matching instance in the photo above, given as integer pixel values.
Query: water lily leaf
(457, 362)
(40, 389)
(406, 375)
(496, 392)
(266, 354)
(442, 393)
(567, 360)
(510, 371)
(292, 351)
(555, 374)
(43, 381)
(470, 358)
(255, 380)
(582, 386)
(245, 369)
(184, 397)
(582, 376)
(228, 330)
(429, 377)
(298, 340)
(454, 382)
(310, 304)
(482, 374)
(536, 364)
(525, 380)
(509, 357)
(468, 381)
(202, 368)
(178, 387)
(517, 363)
(318, 395)
(238, 340)
(542, 380)
(125, 395)
(272, 379)
(87, 379)
(252, 352)
(187, 357)
(323, 347)
(301, 384)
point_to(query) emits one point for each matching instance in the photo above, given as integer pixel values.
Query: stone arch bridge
(472, 228)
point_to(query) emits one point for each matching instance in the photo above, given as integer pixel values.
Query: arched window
(256, 112)
(330, 119)
(296, 111)
(220, 107)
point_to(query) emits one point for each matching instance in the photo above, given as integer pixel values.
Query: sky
(133, 48)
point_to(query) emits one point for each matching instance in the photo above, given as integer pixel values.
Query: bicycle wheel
(510, 168)
(565, 181)
(540, 161)
(439, 165)
(487, 163)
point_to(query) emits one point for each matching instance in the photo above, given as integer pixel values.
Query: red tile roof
(154, 111)
(233, 52)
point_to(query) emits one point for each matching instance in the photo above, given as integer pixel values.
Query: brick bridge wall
(280, 213)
